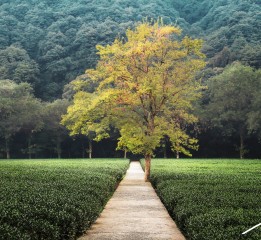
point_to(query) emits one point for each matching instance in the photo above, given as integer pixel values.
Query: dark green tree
(254, 115)
(17, 65)
(52, 117)
(228, 101)
(18, 109)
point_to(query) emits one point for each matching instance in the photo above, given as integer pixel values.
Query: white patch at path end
(250, 229)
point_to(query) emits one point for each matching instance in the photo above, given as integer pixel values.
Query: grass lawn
(211, 199)
(54, 199)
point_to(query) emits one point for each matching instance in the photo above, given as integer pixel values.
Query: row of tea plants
(51, 199)
(211, 199)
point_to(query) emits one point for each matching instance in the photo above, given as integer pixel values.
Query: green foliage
(47, 199)
(52, 122)
(59, 38)
(210, 199)
(236, 80)
(254, 115)
(17, 65)
(230, 96)
(19, 110)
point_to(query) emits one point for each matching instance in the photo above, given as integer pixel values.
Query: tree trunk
(241, 148)
(58, 147)
(125, 153)
(164, 145)
(7, 147)
(165, 151)
(83, 151)
(177, 155)
(8, 154)
(59, 151)
(29, 147)
(147, 167)
(90, 148)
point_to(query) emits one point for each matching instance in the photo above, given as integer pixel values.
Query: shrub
(53, 199)
(211, 199)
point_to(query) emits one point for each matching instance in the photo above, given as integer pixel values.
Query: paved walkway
(134, 213)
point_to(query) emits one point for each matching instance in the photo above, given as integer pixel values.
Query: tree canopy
(18, 109)
(57, 39)
(146, 86)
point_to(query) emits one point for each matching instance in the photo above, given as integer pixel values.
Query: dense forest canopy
(50, 43)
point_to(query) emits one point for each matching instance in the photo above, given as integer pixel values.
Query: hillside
(48, 43)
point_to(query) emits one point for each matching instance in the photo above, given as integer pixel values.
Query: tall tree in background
(254, 115)
(146, 89)
(231, 94)
(76, 115)
(52, 117)
(84, 85)
(17, 105)
(32, 122)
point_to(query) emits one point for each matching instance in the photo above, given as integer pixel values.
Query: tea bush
(51, 199)
(211, 199)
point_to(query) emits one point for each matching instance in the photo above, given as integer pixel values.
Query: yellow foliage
(146, 86)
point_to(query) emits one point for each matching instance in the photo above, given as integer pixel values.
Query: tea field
(211, 199)
(54, 199)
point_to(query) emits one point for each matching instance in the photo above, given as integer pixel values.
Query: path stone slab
(134, 212)
(132, 236)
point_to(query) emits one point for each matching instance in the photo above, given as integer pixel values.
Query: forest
(46, 45)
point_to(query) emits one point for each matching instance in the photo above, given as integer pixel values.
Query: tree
(254, 115)
(230, 97)
(17, 105)
(146, 89)
(32, 121)
(76, 112)
(81, 83)
(52, 118)
(16, 65)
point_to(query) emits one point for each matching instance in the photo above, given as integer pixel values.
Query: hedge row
(211, 199)
(50, 199)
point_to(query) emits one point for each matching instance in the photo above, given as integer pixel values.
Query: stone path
(134, 212)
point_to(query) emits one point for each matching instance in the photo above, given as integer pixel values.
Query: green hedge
(50, 199)
(211, 199)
